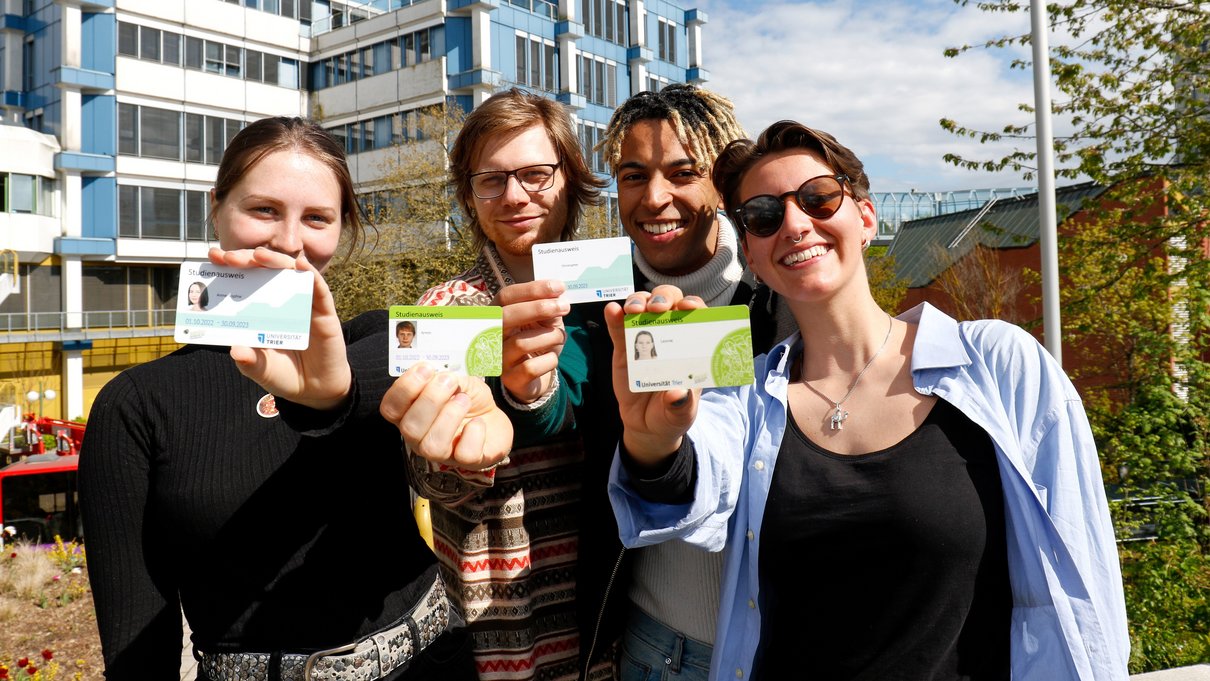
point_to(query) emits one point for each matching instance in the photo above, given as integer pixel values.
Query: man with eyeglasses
(516, 537)
(660, 147)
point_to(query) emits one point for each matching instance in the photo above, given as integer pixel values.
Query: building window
(172, 48)
(195, 144)
(160, 133)
(214, 57)
(21, 195)
(128, 129)
(128, 211)
(590, 135)
(234, 60)
(667, 40)
(657, 83)
(161, 213)
(128, 39)
(149, 44)
(27, 194)
(27, 55)
(252, 66)
(408, 49)
(598, 80)
(41, 291)
(195, 215)
(194, 47)
(605, 19)
(536, 63)
(120, 295)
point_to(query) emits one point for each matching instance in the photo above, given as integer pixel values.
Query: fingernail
(681, 402)
(557, 287)
(463, 400)
(633, 301)
(445, 380)
(658, 299)
(424, 371)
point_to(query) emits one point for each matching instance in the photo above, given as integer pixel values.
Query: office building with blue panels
(114, 114)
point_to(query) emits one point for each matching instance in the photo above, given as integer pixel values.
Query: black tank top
(888, 565)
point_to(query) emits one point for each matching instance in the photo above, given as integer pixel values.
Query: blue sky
(872, 73)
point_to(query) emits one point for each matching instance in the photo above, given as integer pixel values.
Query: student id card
(704, 348)
(256, 307)
(593, 269)
(465, 340)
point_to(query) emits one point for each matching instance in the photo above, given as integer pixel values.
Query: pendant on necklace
(838, 418)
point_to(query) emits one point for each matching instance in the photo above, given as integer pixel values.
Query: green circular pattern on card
(483, 354)
(732, 360)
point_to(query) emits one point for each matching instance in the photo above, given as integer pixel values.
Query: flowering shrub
(70, 557)
(51, 579)
(25, 668)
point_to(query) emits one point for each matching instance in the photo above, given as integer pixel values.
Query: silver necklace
(838, 414)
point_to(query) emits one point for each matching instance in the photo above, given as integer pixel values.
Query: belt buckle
(314, 657)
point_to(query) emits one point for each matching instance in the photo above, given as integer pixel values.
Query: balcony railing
(58, 326)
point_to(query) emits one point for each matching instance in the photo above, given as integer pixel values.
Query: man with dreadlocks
(660, 147)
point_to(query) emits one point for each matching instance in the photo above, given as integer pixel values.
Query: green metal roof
(925, 248)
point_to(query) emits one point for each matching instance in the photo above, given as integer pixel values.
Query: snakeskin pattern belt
(369, 659)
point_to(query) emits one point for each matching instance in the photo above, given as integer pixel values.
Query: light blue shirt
(1069, 613)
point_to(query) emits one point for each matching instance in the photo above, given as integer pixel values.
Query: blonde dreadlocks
(704, 122)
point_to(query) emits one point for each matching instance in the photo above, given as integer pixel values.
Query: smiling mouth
(660, 227)
(799, 256)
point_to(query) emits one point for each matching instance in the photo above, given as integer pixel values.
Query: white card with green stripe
(260, 308)
(465, 340)
(706, 348)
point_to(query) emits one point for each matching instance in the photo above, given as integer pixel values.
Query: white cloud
(874, 75)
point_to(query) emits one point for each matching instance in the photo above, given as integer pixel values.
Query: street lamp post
(39, 395)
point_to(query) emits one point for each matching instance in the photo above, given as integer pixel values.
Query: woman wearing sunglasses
(899, 498)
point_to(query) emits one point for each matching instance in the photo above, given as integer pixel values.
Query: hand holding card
(313, 372)
(533, 336)
(654, 422)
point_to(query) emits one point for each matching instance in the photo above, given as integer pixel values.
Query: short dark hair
(510, 112)
(739, 157)
(279, 133)
(405, 324)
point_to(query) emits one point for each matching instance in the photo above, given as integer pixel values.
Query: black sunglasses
(820, 197)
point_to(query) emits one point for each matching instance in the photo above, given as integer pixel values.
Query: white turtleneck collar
(714, 282)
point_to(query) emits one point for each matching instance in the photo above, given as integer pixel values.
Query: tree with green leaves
(1132, 84)
(888, 289)
(417, 239)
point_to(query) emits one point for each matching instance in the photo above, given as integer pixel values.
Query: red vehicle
(39, 494)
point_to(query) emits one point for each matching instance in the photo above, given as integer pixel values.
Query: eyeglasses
(820, 197)
(493, 183)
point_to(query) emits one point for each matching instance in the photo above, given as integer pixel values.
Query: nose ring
(798, 239)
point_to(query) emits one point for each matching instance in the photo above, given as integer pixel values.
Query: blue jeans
(653, 652)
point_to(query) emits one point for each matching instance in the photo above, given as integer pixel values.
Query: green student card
(706, 348)
(465, 340)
